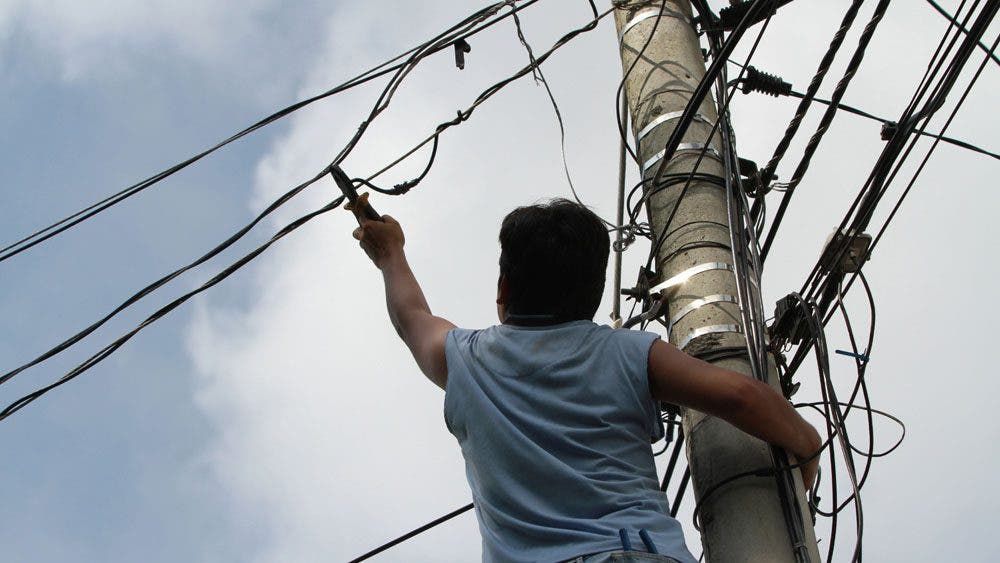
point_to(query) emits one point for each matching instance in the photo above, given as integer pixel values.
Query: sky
(276, 417)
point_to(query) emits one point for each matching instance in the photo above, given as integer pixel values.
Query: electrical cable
(705, 85)
(954, 21)
(413, 533)
(682, 124)
(163, 311)
(826, 62)
(58, 227)
(540, 78)
(920, 168)
(884, 172)
(380, 105)
(824, 124)
(884, 121)
(463, 115)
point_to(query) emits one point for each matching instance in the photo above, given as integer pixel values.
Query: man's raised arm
(423, 333)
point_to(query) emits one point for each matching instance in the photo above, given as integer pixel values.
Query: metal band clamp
(663, 119)
(709, 150)
(697, 304)
(711, 329)
(644, 15)
(693, 270)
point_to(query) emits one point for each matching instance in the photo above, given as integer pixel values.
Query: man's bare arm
(423, 333)
(744, 402)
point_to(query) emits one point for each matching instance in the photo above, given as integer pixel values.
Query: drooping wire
(60, 226)
(383, 100)
(378, 108)
(540, 79)
(102, 354)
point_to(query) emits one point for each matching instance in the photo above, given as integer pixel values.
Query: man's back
(554, 423)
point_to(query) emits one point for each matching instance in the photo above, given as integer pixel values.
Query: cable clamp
(626, 240)
(648, 13)
(889, 129)
(789, 323)
(836, 259)
(697, 304)
(730, 16)
(861, 357)
(461, 48)
(663, 119)
(683, 147)
(705, 330)
(687, 274)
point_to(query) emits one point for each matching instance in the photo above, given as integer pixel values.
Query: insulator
(757, 81)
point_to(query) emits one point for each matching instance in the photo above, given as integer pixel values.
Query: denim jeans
(623, 557)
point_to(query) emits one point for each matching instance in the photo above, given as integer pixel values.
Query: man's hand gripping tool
(358, 204)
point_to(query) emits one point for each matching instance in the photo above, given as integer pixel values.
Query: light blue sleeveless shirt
(554, 424)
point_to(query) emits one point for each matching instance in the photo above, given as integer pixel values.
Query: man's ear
(503, 290)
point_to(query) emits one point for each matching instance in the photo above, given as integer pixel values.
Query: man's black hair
(554, 257)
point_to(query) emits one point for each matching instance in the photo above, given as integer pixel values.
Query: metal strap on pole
(709, 150)
(711, 329)
(665, 118)
(648, 13)
(693, 270)
(697, 304)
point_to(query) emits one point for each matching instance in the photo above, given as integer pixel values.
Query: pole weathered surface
(742, 521)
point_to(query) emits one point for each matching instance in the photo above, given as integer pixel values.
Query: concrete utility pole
(742, 521)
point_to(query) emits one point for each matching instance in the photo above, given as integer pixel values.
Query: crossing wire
(440, 42)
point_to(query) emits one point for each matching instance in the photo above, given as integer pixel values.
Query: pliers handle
(356, 203)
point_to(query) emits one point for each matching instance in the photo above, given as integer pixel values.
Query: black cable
(824, 124)
(672, 463)
(954, 21)
(540, 78)
(681, 489)
(412, 533)
(767, 471)
(163, 280)
(930, 151)
(380, 105)
(382, 69)
(163, 311)
(463, 115)
(890, 162)
(918, 171)
(705, 85)
(884, 121)
(826, 62)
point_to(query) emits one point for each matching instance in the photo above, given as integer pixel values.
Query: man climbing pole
(552, 411)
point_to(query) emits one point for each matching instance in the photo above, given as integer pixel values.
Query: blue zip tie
(650, 546)
(861, 357)
(626, 543)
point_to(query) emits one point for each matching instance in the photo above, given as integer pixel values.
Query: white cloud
(328, 438)
(256, 41)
